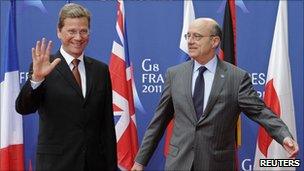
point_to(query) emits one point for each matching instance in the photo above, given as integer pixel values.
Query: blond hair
(72, 10)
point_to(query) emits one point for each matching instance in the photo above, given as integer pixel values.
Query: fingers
(42, 47)
(42, 51)
(291, 147)
(137, 167)
(33, 54)
(37, 49)
(294, 149)
(49, 49)
(54, 63)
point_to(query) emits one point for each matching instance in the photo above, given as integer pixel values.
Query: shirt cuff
(35, 84)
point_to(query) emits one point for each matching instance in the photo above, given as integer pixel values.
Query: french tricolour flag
(11, 148)
(278, 92)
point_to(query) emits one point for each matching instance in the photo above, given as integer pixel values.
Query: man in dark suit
(205, 96)
(73, 95)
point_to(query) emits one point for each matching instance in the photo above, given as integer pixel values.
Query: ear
(58, 33)
(215, 42)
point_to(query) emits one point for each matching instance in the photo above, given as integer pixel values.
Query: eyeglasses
(195, 36)
(82, 33)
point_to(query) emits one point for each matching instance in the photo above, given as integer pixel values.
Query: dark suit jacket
(207, 143)
(73, 130)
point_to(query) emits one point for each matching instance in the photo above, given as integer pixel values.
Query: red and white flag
(278, 92)
(123, 103)
(11, 133)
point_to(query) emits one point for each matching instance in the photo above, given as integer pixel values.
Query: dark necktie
(198, 95)
(75, 71)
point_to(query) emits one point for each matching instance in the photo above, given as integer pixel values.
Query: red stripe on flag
(11, 158)
(272, 101)
(116, 108)
(221, 54)
(233, 20)
(120, 18)
(126, 147)
(130, 98)
(118, 75)
(168, 137)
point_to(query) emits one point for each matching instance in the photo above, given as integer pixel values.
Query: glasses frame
(196, 36)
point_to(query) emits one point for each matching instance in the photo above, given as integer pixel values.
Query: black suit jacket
(74, 132)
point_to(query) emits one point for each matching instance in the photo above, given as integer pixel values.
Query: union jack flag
(123, 103)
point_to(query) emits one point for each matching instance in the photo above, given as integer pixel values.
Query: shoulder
(232, 69)
(181, 67)
(93, 61)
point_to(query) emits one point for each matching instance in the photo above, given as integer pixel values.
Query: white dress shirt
(68, 58)
(208, 77)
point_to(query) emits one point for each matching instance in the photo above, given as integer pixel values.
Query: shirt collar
(69, 58)
(211, 65)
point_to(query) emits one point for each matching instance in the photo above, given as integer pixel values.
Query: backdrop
(153, 29)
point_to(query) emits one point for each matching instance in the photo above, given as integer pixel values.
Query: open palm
(41, 60)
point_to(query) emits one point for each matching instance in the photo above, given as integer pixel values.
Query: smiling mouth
(77, 45)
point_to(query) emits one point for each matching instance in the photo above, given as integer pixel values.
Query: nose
(78, 36)
(190, 41)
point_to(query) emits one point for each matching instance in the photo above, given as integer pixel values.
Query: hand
(137, 167)
(41, 60)
(291, 147)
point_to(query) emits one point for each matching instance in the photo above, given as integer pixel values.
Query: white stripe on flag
(11, 121)
(189, 16)
(279, 71)
(118, 50)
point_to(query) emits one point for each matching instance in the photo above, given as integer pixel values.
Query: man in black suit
(73, 95)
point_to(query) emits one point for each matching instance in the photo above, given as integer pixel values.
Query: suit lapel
(217, 85)
(89, 74)
(188, 86)
(67, 74)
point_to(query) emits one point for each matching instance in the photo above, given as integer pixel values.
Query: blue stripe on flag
(126, 47)
(183, 56)
(9, 60)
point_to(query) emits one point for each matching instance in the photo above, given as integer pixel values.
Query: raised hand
(41, 60)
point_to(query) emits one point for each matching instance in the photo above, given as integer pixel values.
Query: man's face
(74, 35)
(199, 41)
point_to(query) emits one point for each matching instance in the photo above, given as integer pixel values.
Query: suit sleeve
(28, 99)
(109, 126)
(162, 117)
(254, 108)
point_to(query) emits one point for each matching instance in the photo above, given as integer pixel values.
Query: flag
(123, 103)
(188, 17)
(227, 51)
(278, 92)
(228, 46)
(11, 148)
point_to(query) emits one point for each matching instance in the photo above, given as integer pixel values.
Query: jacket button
(84, 149)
